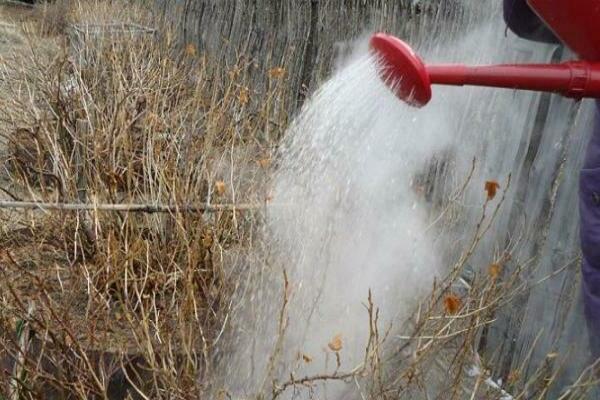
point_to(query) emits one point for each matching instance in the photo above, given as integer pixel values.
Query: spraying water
(356, 221)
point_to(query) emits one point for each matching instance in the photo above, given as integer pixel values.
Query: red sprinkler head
(410, 79)
(402, 70)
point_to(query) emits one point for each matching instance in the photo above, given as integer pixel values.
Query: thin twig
(19, 368)
(144, 208)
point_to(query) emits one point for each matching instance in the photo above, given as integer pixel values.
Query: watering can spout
(410, 78)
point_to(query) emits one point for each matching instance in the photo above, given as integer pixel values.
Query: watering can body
(575, 22)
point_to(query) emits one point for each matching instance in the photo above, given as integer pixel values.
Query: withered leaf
(244, 96)
(305, 357)
(220, 188)
(276, 72)
(491, 187)
(264, 162)
(336, 343)
(452, 304)
(190, 50)
(223, 395)
(494, 270)
(207, 239)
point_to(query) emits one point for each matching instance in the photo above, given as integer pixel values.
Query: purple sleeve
(589, 202)
(521, 19)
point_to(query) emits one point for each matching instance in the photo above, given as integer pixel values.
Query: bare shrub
(122, 114)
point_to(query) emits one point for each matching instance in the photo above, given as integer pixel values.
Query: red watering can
(575, 22)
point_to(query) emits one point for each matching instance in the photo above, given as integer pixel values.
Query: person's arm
(589, 186)
(521, 19)
(589, 208)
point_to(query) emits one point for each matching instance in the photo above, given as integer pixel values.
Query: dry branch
(16, 3)
(143, 208)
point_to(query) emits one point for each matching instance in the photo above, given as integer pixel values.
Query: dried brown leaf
(452, 304)
(207, 239)
(336, 343)
(495, 270)
(305, 357)
(491, 187)
(264, 162)
(276, 72)
(220, 188)
(190, 50)
(244, 96)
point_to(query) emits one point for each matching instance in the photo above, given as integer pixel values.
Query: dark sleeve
(589, 203)
(589, 200)
(521, 19)
(592, 156)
